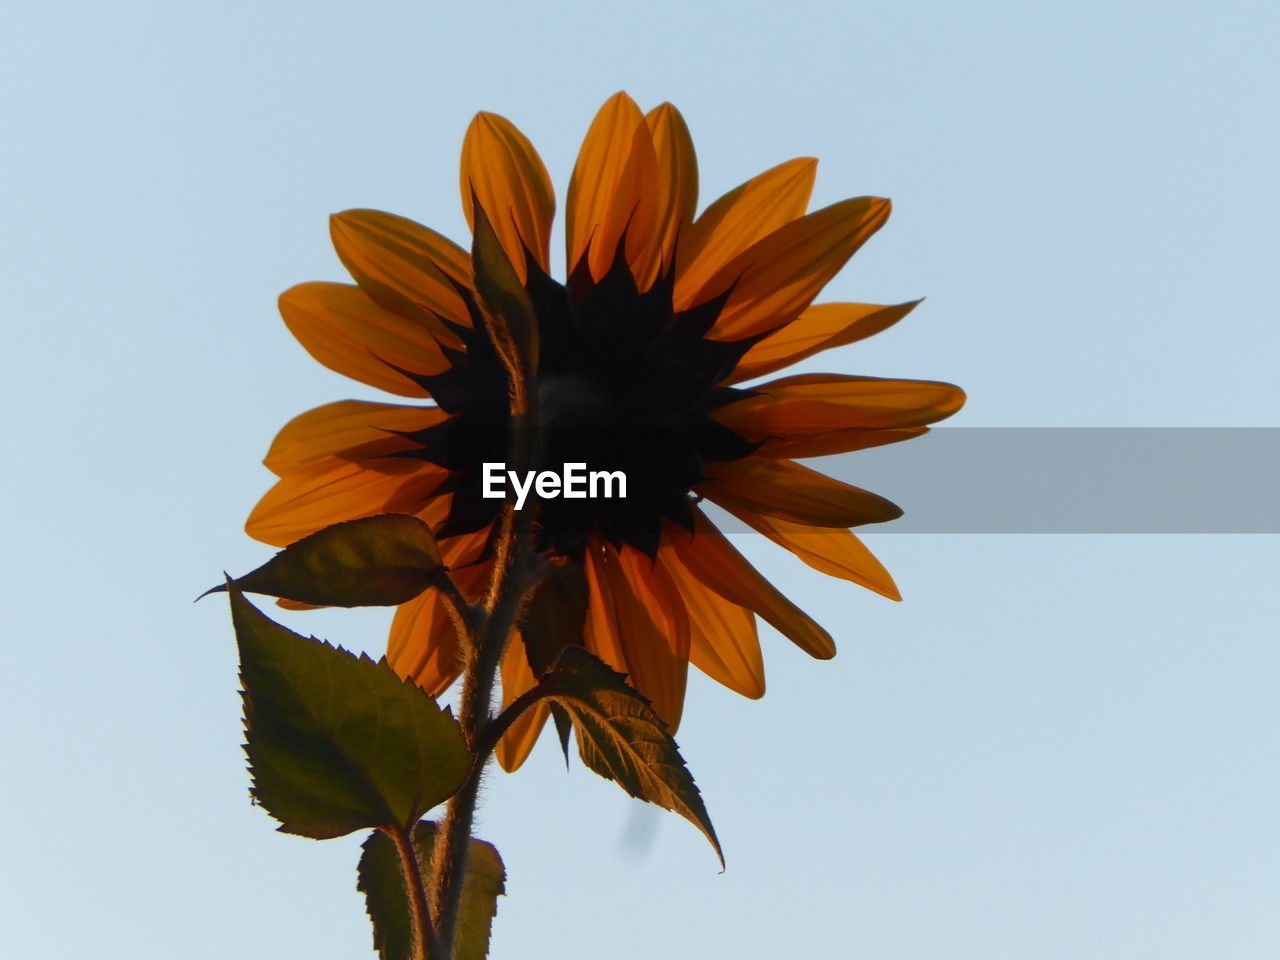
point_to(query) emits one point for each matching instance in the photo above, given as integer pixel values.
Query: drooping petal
(782, 488)
(723, 642)
(654, 588)
(837, 553)
(423, 645)
(709, 557)
(403, 266)
(612, 192)
(509, 180)
(777, 278)
(517, 679)
(348, 429)
(820, 327)
(333, 490)
(636, 625)
(746, 214)
(815, 403)
(677, 177)
(350, 334)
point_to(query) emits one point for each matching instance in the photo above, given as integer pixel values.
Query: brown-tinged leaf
(622, 739)
(338, 743)
(377, 561)
(382, 884)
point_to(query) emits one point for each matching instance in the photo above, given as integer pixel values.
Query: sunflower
(643, 350)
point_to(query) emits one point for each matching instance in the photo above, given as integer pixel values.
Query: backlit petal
(709, 556)
(777, 278)
(635, 624)
(518, 678)
(423, 645)
(347, 332)
(677, 177)
(722, 636)
(612, 192)
(837, 553)
(815, 403)
(835, 441)
(333, 490)
(820, 327)
(785, 489)
(746, 214)
(511, 183)
(403, 266)
(348, 429)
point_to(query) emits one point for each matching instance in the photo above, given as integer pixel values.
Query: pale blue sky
(1057, 747)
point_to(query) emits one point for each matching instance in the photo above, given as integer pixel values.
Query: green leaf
(382, 884)
(338, 743)
(513, 326)
(376, 561)
(622, 739)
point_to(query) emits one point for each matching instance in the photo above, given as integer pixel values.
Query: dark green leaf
(564, 729)
(377, 561)
(336, 742)
(622, 739)
(513, 325)
(382, 884)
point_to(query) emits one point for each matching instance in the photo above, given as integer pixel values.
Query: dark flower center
(573, 402)
(625, 383)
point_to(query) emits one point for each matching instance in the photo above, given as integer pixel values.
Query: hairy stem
(493, 731)
(425, 946)
(514, 578)
(515, 574)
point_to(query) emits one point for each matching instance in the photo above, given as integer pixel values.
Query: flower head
(643, 350)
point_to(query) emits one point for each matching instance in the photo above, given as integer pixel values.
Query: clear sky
(1056, 747)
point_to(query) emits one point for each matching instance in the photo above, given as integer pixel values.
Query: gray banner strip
(1071, 480)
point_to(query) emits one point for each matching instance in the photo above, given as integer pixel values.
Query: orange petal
(347, 332)
(677, 177)
(837, 553)
(404, 266)
(612, 192)
(517, 678)
(463, 555)
(636, 624)
(434, 512)
(778, 277)
(723, 642)
(509, 180)
(836, 441)
(814, 403)
(818, 328)
(737, 220)
(348, 429)
(423, 644)
(785, 489)
(332, 490)
(709, 557)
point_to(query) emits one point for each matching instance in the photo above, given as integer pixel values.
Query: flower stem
(516, 572)
(513, 579)
(425, 945)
